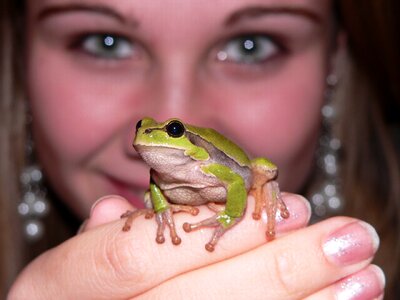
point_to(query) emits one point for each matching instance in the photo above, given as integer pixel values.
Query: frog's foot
(132, 215)
(166, 218)
(269, 198)
(221, 221)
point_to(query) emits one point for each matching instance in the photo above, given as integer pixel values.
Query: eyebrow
(258, 11)
(80, 7)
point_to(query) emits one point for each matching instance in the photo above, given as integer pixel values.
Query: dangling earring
(33, 206)
(326, 197)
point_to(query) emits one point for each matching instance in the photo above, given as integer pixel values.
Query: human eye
(106, 46)
(248, 49)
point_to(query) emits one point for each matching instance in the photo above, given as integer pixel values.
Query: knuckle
(123, 261)
(284, 274)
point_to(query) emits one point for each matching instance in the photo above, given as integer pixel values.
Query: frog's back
(221, 143)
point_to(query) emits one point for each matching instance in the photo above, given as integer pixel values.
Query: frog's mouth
(157, 148)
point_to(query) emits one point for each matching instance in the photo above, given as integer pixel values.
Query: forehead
(210, 9)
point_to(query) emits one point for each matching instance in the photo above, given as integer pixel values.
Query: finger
(106, 210)
(292, 267)
(106, 263)
(368, 283)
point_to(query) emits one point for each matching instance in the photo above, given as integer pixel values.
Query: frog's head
(166, 140)
(170, 133)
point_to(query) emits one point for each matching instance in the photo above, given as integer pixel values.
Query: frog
(192, 166)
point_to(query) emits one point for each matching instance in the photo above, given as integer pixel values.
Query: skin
(83, 137)
(85, 107)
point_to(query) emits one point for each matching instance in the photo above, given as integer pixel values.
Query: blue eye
(107, 46)
(249, 49)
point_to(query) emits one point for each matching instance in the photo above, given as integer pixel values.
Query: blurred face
(254, 70)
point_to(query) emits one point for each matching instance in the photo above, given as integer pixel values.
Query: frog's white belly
(188, 196)
(189, 185)
(181, 178)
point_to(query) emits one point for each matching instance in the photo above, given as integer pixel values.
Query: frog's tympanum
(190, 166)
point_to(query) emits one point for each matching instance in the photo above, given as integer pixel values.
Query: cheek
(66, 117)
(74, 114)
(282, 118)
(76, 117)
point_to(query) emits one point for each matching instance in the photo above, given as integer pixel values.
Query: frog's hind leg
(266, 192)
(213, 221)
(262, 172)
(236, 197)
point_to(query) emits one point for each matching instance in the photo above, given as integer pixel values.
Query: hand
(105, 263)
(300, 265)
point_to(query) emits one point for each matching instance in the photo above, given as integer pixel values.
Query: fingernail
(299, 210)
(367, 284)
(352, 243)
(82, 227)
(100, 200)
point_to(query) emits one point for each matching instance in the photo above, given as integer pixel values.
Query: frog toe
(209, 222)
(194, 211)
(187, 227)
(176, 240)
(274, 203)
(160, 239)
(256, 215)
(218, 232)
(215, 207)
(221, 221)
(132, 215)
(164, 219)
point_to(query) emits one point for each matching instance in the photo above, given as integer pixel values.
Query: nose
(176, 87)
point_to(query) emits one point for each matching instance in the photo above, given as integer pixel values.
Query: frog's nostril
(138, 125)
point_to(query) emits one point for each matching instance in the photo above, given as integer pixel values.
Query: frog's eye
(138, 125)
(175, 129)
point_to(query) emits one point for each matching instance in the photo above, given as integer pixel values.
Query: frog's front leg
(235, 204)
(157, 203)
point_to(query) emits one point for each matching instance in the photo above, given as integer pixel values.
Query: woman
(92, 69)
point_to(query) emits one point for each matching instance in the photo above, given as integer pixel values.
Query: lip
(132, 192)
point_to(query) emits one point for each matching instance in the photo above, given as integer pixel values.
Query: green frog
(191, 166)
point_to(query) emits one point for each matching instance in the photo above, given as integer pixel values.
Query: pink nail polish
(352, 243)
(366, 284)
